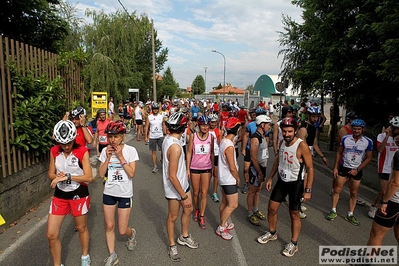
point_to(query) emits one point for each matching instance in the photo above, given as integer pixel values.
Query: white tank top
(138, 114)
(215, 143)
(289, 168)
(156, 130)
(170, 191)
(225, 177)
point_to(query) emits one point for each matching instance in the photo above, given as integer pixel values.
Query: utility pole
(154, 78)
(205, 77)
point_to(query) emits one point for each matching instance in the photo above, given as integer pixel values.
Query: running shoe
(201, 222)
(229, 226)
(372, 212)
(290, 250)
(215, 197)
(253, 220)
(260, 215)
(155, 169)
(245, 188)
(187, 241)
(302, 215)
(173, 254)
(131, 242)
(331, 216)
(360, 202)
(263, 239)
(303, 208)
(86, 261)
(352, 219)
(223, 233)
(111, 260)
(196, 214)
(147, 142)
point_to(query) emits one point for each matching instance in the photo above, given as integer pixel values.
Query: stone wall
(24, 190)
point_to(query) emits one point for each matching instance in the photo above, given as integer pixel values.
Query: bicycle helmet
(262, 119)
(177, 121)
(394, 121)
(358, 123)
(183, 110)
(155, 106)
(101, 111)
(289, 122)
(260, 111)
(117, 127)
(351, 115)
(77, 112)
(231, 122)
(233, 113)
(64, 132)
(213, 117)
(286, 109)
(313, 110)
(203, 120)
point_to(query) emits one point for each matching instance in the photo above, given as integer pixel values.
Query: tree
(250, 88)
(33, 22)
(345, 48)
(198, 85)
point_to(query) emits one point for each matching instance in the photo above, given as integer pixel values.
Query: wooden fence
(27, 58)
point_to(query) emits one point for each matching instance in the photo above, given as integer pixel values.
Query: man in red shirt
(243, 115)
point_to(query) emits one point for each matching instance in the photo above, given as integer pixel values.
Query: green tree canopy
(168, 87)
(198, 85)
(33, 22)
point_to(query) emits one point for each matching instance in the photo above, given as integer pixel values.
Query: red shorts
(77, 207)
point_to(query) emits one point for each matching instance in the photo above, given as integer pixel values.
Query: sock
(113, 254)
(85, 257)
(350, 213)
(221, 228)
(294, 242)
(255, 209)
(273, 232)
(250, 214)
(334, 209)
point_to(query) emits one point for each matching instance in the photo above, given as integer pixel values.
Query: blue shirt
(194, 111)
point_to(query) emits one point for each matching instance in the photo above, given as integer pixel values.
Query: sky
(245, 32)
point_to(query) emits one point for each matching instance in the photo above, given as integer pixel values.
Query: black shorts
(253, 176)
(139, 122)
(293, 189)
(229, 189)
(123, 203)
(196, 171)
(194, 119)
(344, 171)
(237, 154)
(247, 157)
(216, 160)
(384, 176)
(392, 216)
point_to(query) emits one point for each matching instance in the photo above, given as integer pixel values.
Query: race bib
(116, 175)
(195, 114)
(285, 175)
(202, 148)
(156, 129)
(102, 139)
(265, 154)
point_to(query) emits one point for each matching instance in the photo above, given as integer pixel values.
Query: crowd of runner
(200, 141)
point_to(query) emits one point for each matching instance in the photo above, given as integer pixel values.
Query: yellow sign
(99, 100)
(2, 221)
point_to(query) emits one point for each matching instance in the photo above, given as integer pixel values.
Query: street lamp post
(205, 77)
(224, 72)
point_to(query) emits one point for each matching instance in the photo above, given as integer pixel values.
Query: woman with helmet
(69, 172)
(229, 178)
(84, 133)
(176, 185)
(119, 160)
(386, 148)
(200, 157)
(139, 115)
(217, 137)
(356, 152)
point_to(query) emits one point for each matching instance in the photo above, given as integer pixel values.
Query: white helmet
(213, 117)
(64, 131)
(394, 121)
(262, 119)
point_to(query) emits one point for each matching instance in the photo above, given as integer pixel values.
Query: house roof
(228, 90)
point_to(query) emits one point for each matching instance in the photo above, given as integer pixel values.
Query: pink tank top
(201, 156)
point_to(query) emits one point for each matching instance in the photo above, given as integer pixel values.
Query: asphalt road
(25, 243)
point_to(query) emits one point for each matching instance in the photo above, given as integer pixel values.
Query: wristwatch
(308, 190)
(68, 175)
